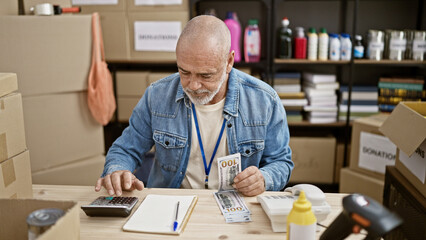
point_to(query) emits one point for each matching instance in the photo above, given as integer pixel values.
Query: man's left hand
(250, 182)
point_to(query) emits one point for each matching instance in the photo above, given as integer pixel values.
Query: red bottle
(300, 44)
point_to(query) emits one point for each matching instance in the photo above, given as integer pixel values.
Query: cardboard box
(49, 54)
(371, 151)
(14, 213)
(12, 131)
(9, 7)
(31, 3)
(158, 17)
(125, 107)
(313, 159)
(89, 8)
(155, 76)
(15, 177)
(115, 33)
(340, 159)
(354, 182)
(131, 84)
(132, 7)
(60, 129)
(406, 127)
(83, 172)
(8, 83)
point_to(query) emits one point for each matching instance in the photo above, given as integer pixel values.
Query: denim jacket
(256, 127)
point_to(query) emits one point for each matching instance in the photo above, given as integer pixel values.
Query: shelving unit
(262, 12)
(351, 16)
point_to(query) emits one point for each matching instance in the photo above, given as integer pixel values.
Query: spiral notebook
(156, 214)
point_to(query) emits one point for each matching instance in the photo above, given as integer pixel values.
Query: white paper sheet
(416, 163)
(375, 152)
(156, 36)
(158, 2)
(94, 2)
(156, 214)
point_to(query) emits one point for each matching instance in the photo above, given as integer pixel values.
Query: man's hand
(117, 181)
(250, 182)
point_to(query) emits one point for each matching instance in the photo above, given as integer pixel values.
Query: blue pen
(175, 223)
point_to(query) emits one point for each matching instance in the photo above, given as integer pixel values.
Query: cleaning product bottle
(300, 44)
(358, 48)
(346, 47)
(252, 42)
(235, 29)
(334, 47)
(312, 44)
(301, 221)
(284, 40)
(323, 44)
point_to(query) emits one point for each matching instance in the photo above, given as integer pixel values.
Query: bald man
(205, 111)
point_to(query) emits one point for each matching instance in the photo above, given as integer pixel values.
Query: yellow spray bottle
(301, 222)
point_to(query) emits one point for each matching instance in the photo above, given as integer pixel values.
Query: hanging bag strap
(98, 54)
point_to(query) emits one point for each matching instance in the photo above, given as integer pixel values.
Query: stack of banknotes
(229, 201)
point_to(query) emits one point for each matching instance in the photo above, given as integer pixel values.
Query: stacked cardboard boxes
(130, 88)
(371, 152)
(313, 159)
(15, 170)
(406, 127)
(61, 134)
(145, 33)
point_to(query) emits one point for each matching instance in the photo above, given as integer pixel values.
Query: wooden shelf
(306, 61)
(338, 124)
(389, 62)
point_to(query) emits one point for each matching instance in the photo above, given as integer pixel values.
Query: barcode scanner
(361, 212)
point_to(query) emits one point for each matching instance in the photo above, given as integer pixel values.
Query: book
(360, 108)
(287, 75)
(331, 85)
(291, 95)
(319, 78)
(402, 93)
(294, 88)
(361, 95)
(318, 92)
(156, 214)
(294, 102)
(359, 88)
(402, 80)
(401, 85)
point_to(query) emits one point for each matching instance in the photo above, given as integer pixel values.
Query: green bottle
(284, 40)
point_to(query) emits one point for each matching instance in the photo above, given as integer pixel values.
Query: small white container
(346, 47)
(334, 47)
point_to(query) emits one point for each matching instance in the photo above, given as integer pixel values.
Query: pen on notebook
(175, 223)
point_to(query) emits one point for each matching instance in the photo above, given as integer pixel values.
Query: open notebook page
(156, 214)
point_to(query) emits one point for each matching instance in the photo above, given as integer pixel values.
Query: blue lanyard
(207, 168)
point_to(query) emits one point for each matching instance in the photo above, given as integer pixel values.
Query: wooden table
(206, 221)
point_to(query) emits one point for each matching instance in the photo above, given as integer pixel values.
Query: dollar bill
(228, 168)
(232, 206)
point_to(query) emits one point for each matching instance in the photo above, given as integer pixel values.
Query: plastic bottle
(334, 47)
(312, 44)
(252, 42)
(235, 29)
(323, 44)
(284, 47)
(358, 48)
(300, 44)
(346, 47)
(301, 221)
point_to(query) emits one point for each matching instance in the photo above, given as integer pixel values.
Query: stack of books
(288, 82)
(394, 90)
(320, 90)
(289, 89)
(363, 102)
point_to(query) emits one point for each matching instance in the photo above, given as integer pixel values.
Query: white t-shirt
(210, 120)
